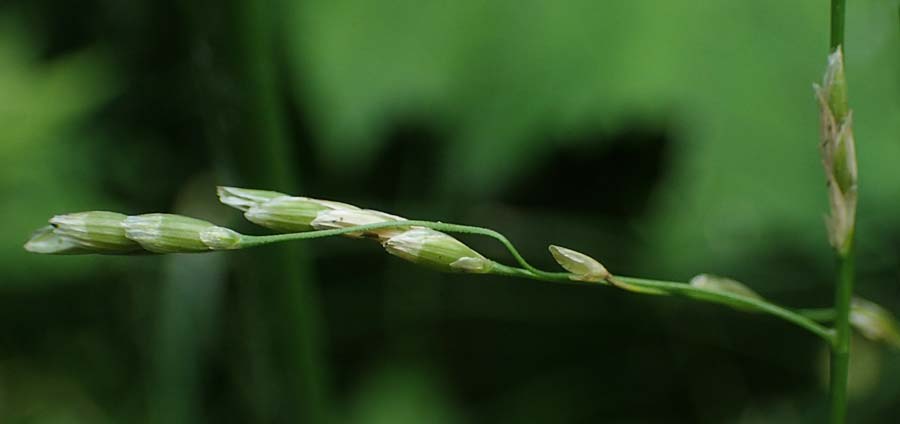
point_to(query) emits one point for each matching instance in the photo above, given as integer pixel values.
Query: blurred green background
(666, 138)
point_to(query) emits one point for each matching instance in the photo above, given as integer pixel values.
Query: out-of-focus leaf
(42, 149)
(733, 78)
(24, 390)
(403, 395)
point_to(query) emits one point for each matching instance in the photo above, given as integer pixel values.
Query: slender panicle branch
(526, 270)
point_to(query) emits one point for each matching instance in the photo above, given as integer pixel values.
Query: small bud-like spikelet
(290, 213)
(343, 218)
(724, 285)
(582, 267)
(436, 250)
(585, 268)
(874, 322)
(714, 284)
(838, 153)
(166, 233)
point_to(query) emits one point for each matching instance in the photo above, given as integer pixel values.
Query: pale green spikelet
(585, 268)
(344, 218)
(83, 233)
(722, 284)
(716, 285)
(46, 241)
(835, 85)
(167, 233)
(436, 250)
(98, 231)
(221, 238)
(245, 198)
(874, 322)
(582, 267)
(291, 213)
(838, 150)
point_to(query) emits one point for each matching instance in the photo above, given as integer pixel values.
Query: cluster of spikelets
(101, 232)
(293, 214)
(838, 153)
(111, 233)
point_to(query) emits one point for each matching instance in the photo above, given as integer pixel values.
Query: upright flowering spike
(436, 250)
(582, 267)
(290, 213)
(96, 231)
(245, 198)
(874, 322)
(343, 218)
(166, 233)
(838, 153)
(47, 241)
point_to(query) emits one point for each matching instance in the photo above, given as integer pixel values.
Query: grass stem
(837, 23)
(840, 349)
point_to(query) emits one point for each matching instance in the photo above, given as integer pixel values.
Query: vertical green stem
(840, 351)
(837, 23)
(283, 275)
